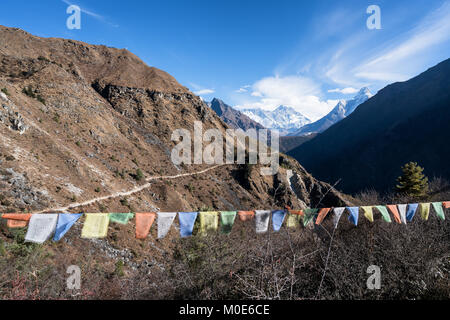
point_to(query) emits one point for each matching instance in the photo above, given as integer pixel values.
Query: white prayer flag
(262, 218)
(402, 210)
(41, 227)
(165, 220)
(337, 215)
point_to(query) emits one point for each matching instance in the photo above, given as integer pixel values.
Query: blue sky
(250, 53)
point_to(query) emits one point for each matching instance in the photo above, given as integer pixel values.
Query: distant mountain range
(232, 117)
(405, 121)
(343, 109)
(284, 119)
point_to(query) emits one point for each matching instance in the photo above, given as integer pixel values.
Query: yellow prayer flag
(293, 220)
(368, 213)
(95, 225)
(424, 209)
(209, 221)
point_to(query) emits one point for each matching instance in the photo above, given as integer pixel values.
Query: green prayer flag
(439, 210)
(227, 221)
(121, 218)
(384, 213)
(424, 209)
(309, 216)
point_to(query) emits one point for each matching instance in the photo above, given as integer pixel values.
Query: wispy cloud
(395, 63)
(204, 92)
(200, 90)
(348, 90)
(243, 89)
(396, 59)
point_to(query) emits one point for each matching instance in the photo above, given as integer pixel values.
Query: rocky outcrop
(12, 120)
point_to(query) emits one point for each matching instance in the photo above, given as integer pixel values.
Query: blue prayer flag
(187, 221)
(277, 219)
(65, 222)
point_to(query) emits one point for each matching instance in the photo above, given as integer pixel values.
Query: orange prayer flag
(144, 222)
(16, 223)
(297, 212)
(246, 215)
(446, 204)
(322, 214)
(394, 210)
(17, 216)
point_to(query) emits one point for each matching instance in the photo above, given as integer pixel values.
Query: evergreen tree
(412, 182)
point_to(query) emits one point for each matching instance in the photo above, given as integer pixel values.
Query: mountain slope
(284, 119)
(403, 122)
(343, 109)
(232, 117)
(80, 123)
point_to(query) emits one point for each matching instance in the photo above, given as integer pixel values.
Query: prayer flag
(121, 218)
(277, 219)
(144, 222)
(439, 210)
(354, 213)
(262, 218)
(424, 209)
(293, 220)
(208, 222)
(16, 220)
(95, 225)
(246, 215)
(402, 211)
(393, 209)
(65, 222)
(165, 220)
(309, 216)
(412, 208)
(10, 223)
(337, 215)
(41, 228)
(227, 220)
(322, 214)
(187, 222)
(368, 212)
(384, 213)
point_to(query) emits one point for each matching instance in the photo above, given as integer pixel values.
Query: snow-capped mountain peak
(343, 109)
(285, 119)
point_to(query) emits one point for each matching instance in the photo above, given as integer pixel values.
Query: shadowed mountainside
(405, 121)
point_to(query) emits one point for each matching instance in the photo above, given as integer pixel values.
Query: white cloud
(298, 92)
(348, 90)
(204, 92)
(243, 89)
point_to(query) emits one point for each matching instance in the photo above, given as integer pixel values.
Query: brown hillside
(79, 120)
